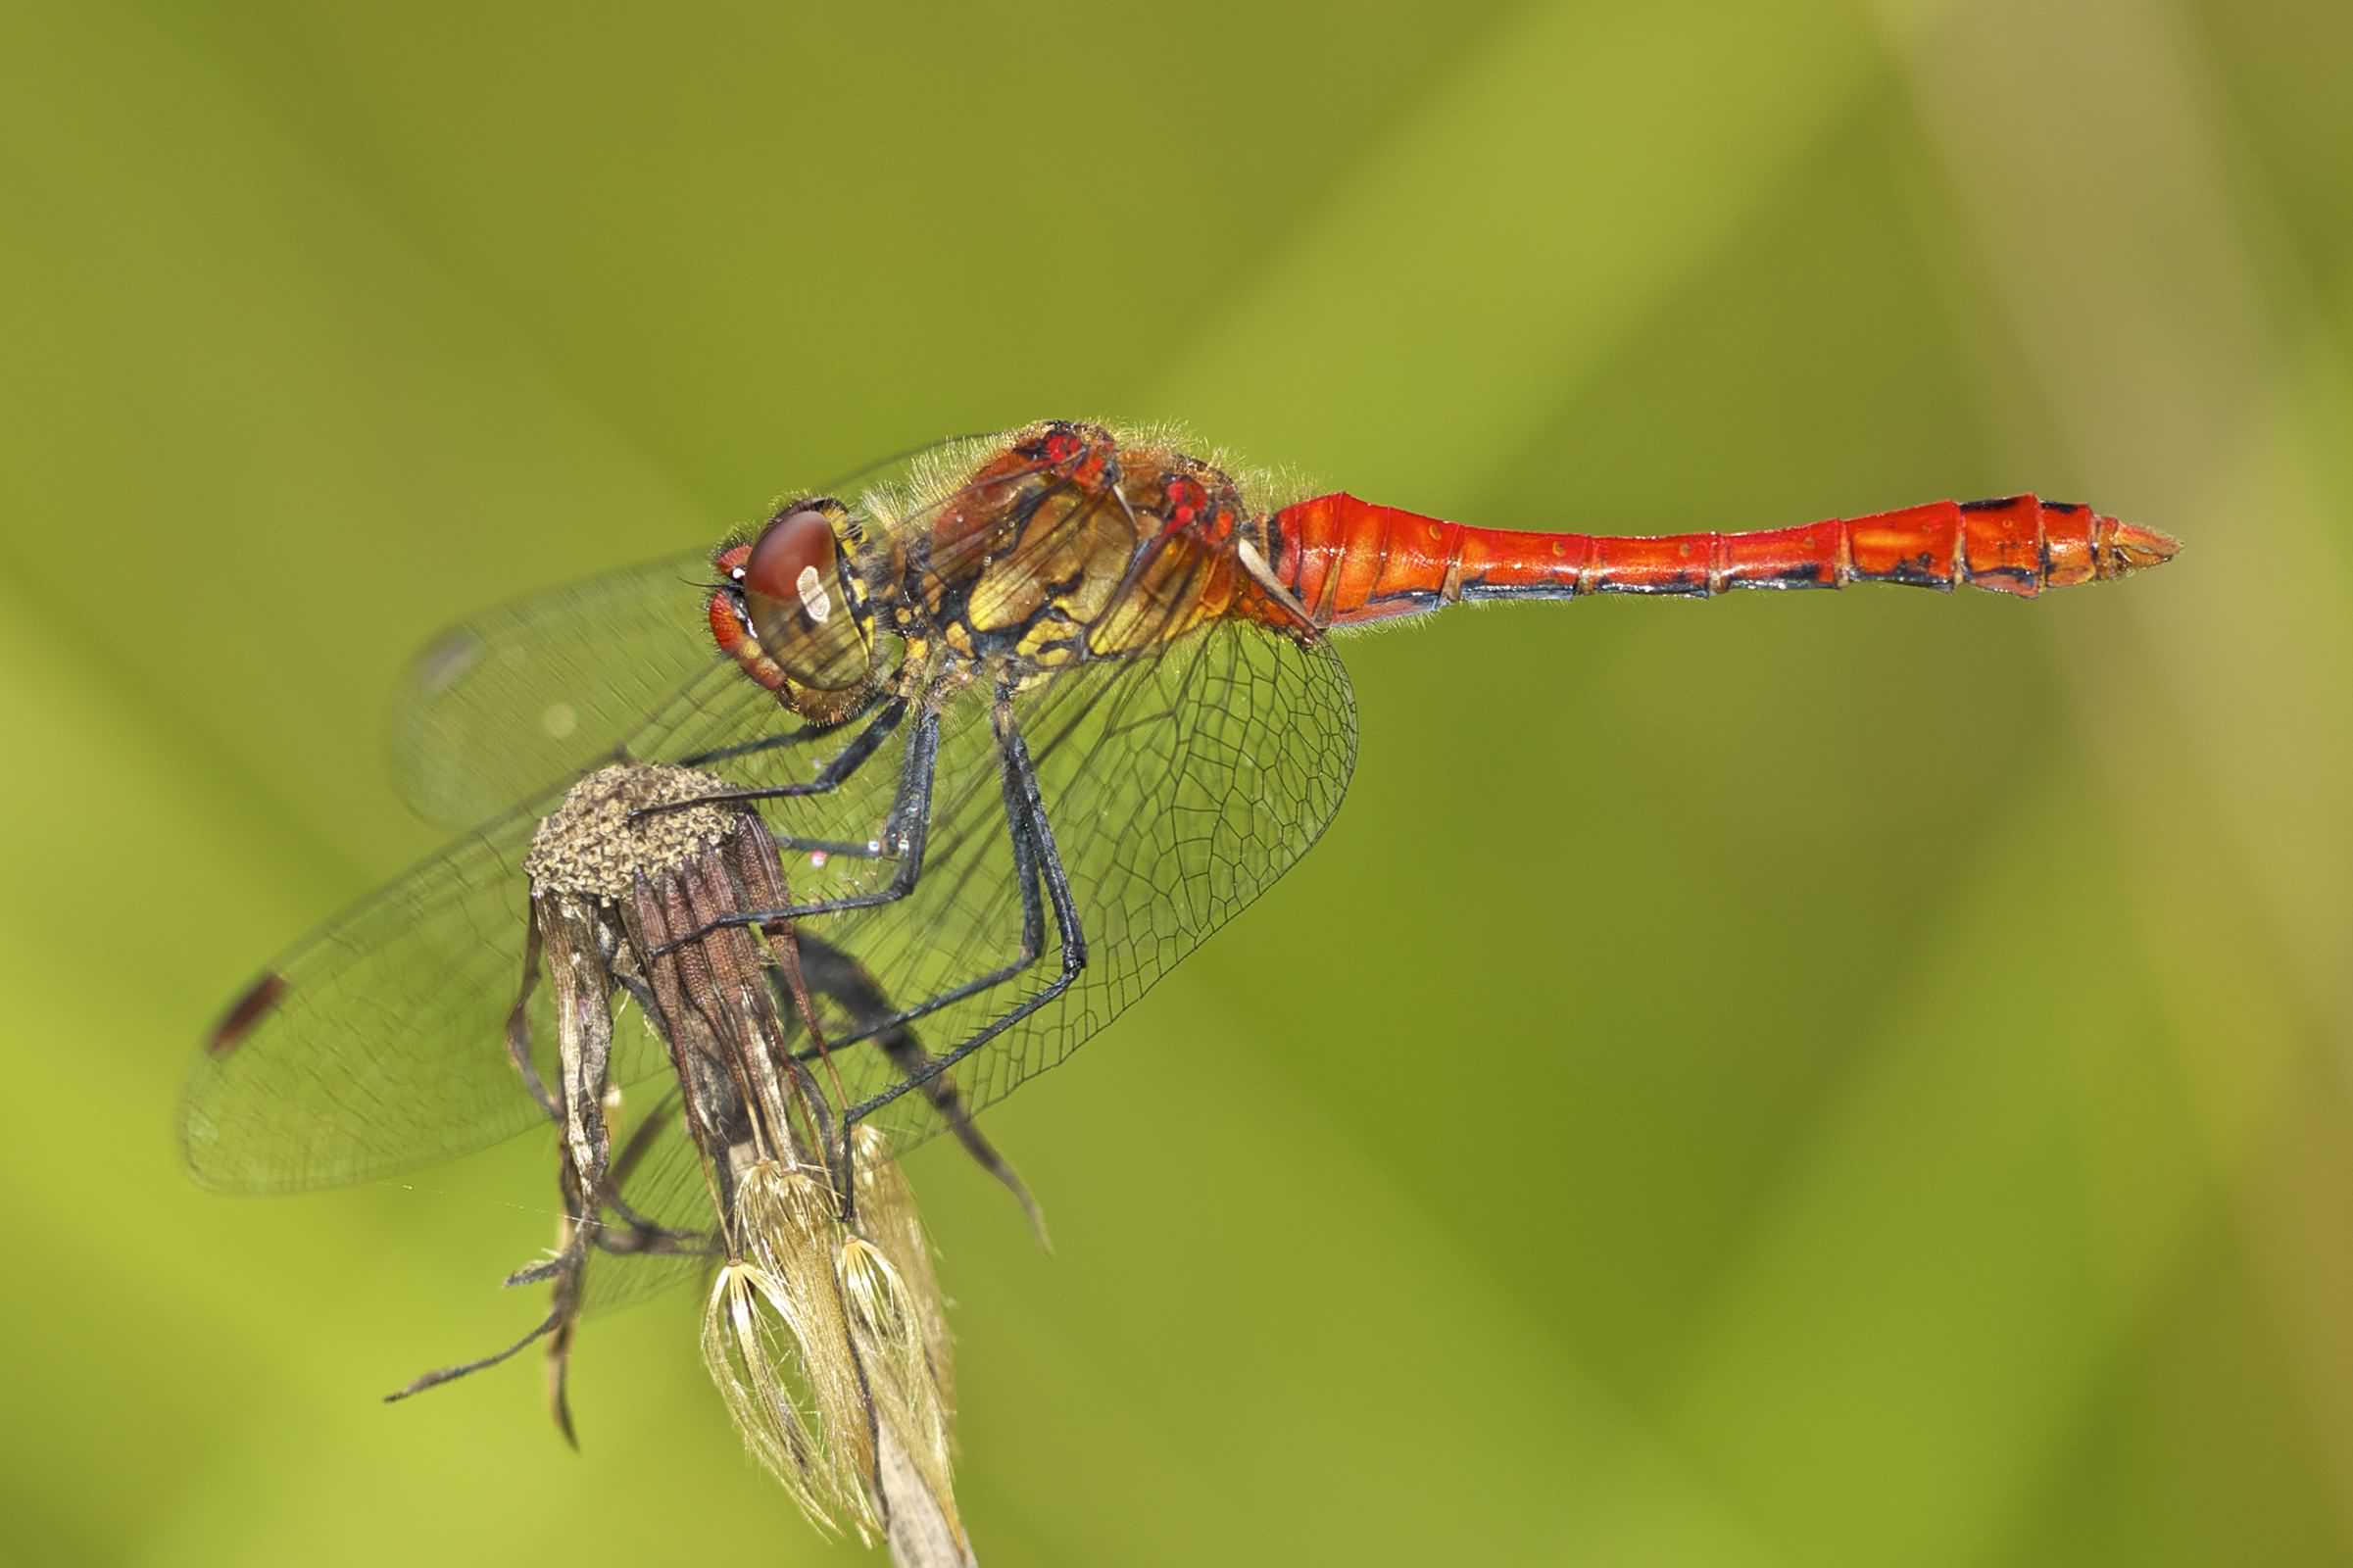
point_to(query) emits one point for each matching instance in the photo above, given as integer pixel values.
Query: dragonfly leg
(831, 972)
(1023, 802)
(836, 770)
(1038, 862)
(905, 829)
(1033, 932)
(797, 736)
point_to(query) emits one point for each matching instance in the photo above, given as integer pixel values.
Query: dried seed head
(751, 1354)
(887, 1332)
(887, 1215)
(823, 1348)
(781, 1351)
(593, 843)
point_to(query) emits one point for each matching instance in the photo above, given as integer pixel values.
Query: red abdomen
(1350, 561)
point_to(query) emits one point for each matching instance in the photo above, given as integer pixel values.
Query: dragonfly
(1028, 716)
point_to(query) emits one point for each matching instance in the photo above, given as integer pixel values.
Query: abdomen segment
(1350, 561)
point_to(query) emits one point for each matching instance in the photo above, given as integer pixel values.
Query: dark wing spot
(244, 1013)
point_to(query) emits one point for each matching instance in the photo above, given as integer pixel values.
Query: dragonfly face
(795, 610)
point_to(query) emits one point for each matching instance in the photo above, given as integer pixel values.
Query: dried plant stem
(919, 1534)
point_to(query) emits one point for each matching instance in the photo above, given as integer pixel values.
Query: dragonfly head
(792, 610)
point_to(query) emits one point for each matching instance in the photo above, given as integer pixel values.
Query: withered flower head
(824, 1330)
(596, 844)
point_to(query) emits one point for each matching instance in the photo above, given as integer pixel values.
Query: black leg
(1018, 796)
(905, 832)
(837, 769)
(1038, 861)
(792, 737)
(1033, 931)
(830, 972)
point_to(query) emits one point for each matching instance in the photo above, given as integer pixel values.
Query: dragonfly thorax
(1070, 546)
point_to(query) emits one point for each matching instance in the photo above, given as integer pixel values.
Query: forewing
(1178, 787)
(540, 689)
(537, 691)
(379, 1044)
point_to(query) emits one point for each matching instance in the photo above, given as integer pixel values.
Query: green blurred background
(1793, 1080)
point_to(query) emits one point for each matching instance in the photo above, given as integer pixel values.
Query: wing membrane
(379, 1044)
(1177, 787)
(500, 706)
(538, 690)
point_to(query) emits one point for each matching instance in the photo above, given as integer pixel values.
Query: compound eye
(793, 560)
(799, 605)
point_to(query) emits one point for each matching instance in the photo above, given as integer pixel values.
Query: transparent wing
(660, 1234)
(1177, 788)
(1177, 791)
(379, 1044)
(536, 691)
(539, 689)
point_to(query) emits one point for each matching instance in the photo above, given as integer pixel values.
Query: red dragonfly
(1029, 719)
